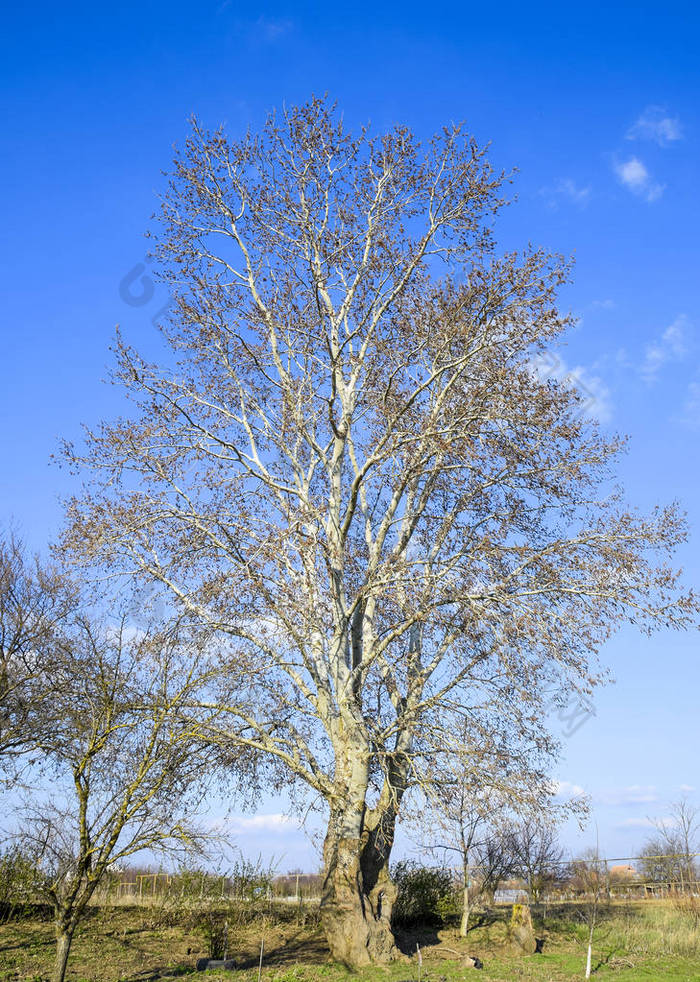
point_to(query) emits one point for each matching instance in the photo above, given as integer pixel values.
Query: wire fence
(666, 875)
(204, 886)
(619, 877)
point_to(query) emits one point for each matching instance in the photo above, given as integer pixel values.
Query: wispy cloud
(633, 794)
(600, 401)
(634, 175)
(566, 189)
(566, 789)
(670, 347)
(635, 823)
(691, 408)
(272, 28)
(274, 821)
(647, 823)
(655, 124)
(256, 823)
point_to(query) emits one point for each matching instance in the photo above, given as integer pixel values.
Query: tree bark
(464, 924)
(64, 939)
(358, 894)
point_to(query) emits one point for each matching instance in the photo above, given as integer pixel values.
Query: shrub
(214, 927)
(425, 895)
(20, 882)
(20, 878)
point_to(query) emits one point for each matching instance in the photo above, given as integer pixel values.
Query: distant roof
(623, 869)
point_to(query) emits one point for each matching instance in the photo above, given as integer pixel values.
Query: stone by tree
(520, 929)
(349, 465)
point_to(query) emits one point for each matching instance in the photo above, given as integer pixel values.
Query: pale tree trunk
(464, 925)
(591, 929)
(358, 894)
(64, 939)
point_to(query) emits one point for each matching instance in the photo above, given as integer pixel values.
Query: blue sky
(598, 107)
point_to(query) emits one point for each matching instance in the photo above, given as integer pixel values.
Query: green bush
(425, 896)
(21, 883)
(214, 927)
(20, 878)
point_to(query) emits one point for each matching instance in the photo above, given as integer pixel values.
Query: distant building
(511, 895)
(623, 874)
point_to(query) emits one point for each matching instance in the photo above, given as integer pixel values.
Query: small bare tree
(34, 599)
(470, 805)
(127, 772)
(682, 836)
(591, 876)
(668, 856)
(536, 854)
(494, 862)
(457, 821)
(353, 468)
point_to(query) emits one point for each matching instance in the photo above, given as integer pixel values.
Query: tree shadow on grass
(409, 937)
(605, 959)
(162, 972)
(488, 917)
(312, 949)
(299, 947)
(23, 944)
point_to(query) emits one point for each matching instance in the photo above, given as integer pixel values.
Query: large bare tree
(349, 463)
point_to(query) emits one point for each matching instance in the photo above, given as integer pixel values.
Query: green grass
(649, 942)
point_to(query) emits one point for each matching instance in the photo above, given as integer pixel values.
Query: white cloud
(272, 28)
(655, 124)
(636, 178)
(256, 823)
(598, 404)
(667, 822)
(275, 821)
(622, 358)
(604, 304)
(646, 823)
(566, 789)
(635, 823)
(686, 788)
(633, 173)
(691, 409)
(633, 794)
(670, 347)
(566, 188)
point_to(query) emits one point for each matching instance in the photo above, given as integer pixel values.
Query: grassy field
(644, 941)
